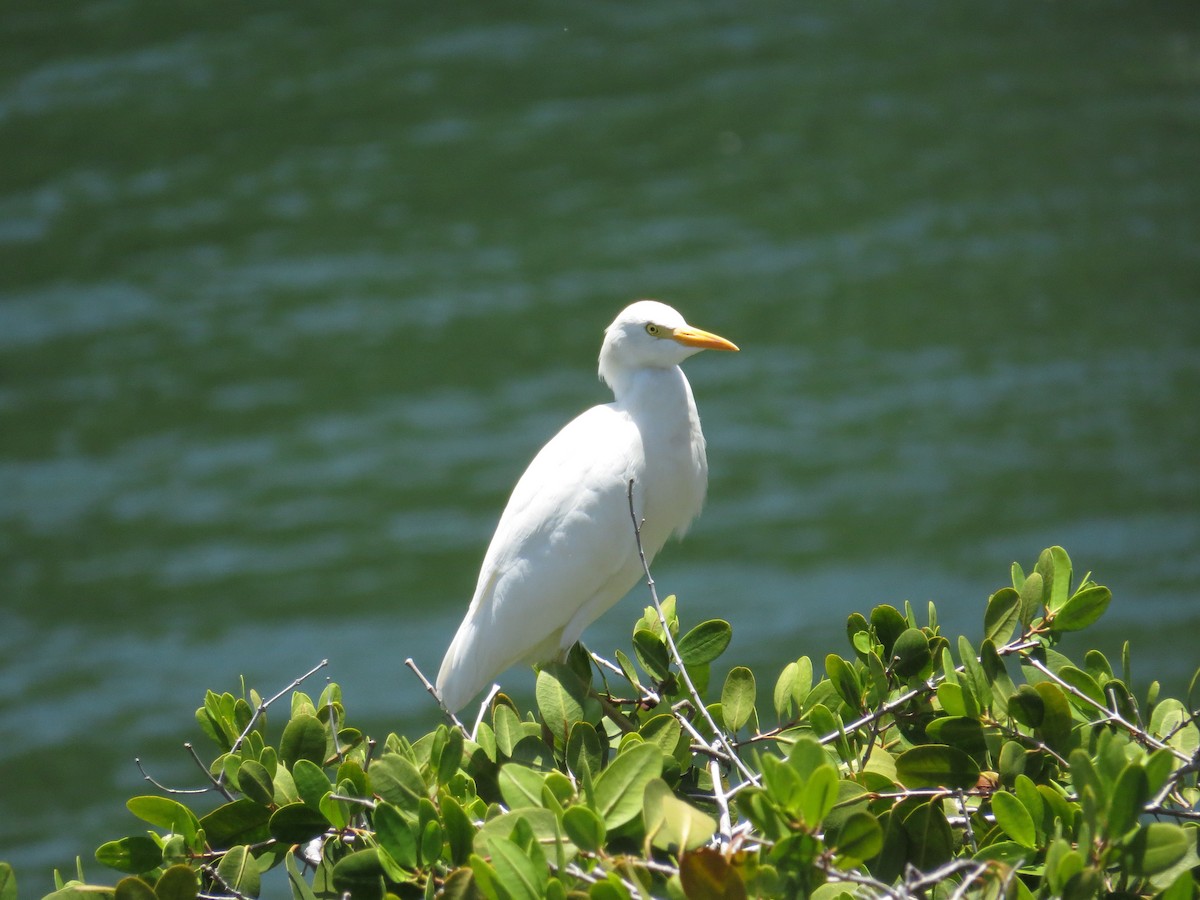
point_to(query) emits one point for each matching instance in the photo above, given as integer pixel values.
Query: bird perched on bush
(564, 551)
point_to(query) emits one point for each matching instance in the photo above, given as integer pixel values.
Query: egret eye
(653, 330)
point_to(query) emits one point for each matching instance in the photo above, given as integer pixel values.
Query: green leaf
(804, 682)
(360, 875)
(1156, 847)
(255, 782)
(8, 882)
(508, 728)
(845, 681)
(296, 823)
(1086, 685)
(520, 787)
(930, 839)
(1055, 568)
(1057, 725)
(583, 748)
(311, 782)
(954, 700)
(179, 882)
(165, 813)
(451, 757)
(1014, 819)
(131, 888)
(706, 874)
(134, 854)
(397, 780)
(1128, 797)
(395, 834)
(1027, 706)
(560, 699)
(663, 730)
(338, 812)
(483, 881)
(782, 695)
(239, 871)
(737, 697)
(541, 823)
(860, 837)
(1002, 615)
(522, 879)
(807, 755)
(1010, 853)
(911, 653)
(532, 752)
(888, 625)
(584, 828)
(782, 783)
(619, 788)
(1172, 722)
(304, 737)
(458, 828)
(652, 654)
(671, 822)
(980, 689)
(1033, 595)
(818, 796)
(705, 642)
(1083, 609)
(241, 822)
(1031, 799)
(627, 667)
(963, 732)
(936, 765)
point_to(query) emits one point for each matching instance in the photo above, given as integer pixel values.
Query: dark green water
(290, 294)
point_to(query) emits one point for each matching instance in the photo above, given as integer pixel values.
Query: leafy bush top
(912, 765)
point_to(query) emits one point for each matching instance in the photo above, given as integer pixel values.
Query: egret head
(649, 334)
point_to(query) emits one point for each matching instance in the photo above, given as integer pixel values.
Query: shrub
(914, 765)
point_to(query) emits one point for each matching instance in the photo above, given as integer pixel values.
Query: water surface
(289, 296)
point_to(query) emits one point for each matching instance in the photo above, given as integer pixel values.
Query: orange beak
(694, 337)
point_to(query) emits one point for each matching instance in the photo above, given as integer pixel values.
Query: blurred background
(291, 293)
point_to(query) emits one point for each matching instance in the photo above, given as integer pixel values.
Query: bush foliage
(912, 765)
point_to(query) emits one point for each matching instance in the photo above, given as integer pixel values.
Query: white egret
(564, 550)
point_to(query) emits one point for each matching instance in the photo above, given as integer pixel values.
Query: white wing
(563, 553)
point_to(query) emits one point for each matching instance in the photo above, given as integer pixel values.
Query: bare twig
(719, 736)
(725, 824)
(217, 783)
(434, 694)
(961, 796)
(262, 708)
(1110, 715)
(162, 787)
(647, 696)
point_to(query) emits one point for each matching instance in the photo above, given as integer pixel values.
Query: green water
(290, 293)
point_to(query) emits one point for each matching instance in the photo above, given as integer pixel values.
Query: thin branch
(852, 877)
(719, 735)
(961, 891)
(233, 892)
(217, 783)
(961, 796)
(434, 694)
(1109, 714)
(262, 708)
(647, 696)
(162, 787)
(725, 822)
(877, 714)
